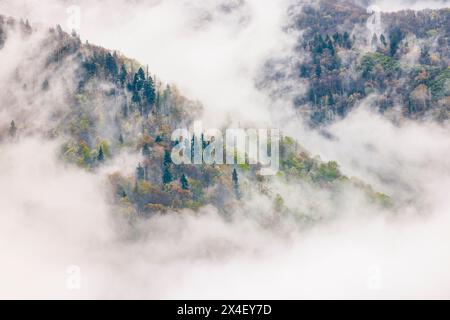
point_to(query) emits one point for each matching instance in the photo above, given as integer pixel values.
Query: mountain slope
(346, 53)
(105, 107)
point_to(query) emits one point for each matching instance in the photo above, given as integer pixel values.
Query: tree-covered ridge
(116, 107)
(346, 54)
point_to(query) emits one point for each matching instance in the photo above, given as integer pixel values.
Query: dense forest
(345, 53)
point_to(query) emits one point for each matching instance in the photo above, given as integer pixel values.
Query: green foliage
(395, 37)
(440, 85)
(100, 156)
(149, 91)
(382, 199)
(167, 176)
(369, 61)
(328, 172)
(244, 166)
(432, 33)
(167, 158)
(123, 75)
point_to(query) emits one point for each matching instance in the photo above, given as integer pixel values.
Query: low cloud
(61, 236)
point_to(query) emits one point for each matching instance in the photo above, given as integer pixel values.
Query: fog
(209, 49)
(62, 237)
(54, 217)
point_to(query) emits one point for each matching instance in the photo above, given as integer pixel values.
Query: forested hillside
(345, 53)
(113, 106)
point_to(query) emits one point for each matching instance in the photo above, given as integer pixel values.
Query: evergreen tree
(12, 129)
(346, 41)
(100, 156)
(123, 75)
(141, 74)
(318, 70)
(304, 71)
(167, 158)
(330, 99)
(383, 40)
(121, 138)
(149, 95)
(167, 176)
(137, 83)
(140, 172)
(136, 98)
(111, 66)
(395, 37)
(184, 182)
(149, 91)
(337, 38)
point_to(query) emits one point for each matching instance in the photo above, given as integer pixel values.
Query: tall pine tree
(167, 176)
(184, 182)
(100, 156)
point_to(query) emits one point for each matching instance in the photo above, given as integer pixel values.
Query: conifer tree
(383, 40)
(149, 95)
(111, 66)
(167, 158)
(330, 99)
(167, 176)
(318, 70)
(141, 74)
(123, 75)
(346, 40)
(100, 156)
(184, 182)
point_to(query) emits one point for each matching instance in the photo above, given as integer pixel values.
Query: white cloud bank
(210, 49)
(54, 217)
